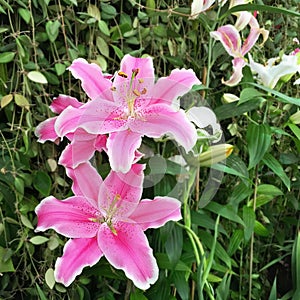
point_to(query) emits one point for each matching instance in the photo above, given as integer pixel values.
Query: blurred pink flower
(107, 218)
(129, 107)
(231, 40)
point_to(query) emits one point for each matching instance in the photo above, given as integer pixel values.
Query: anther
(135, 72)
(122, 74)
(136, 92)
(144, 91)
(141, 80)
(113, 88)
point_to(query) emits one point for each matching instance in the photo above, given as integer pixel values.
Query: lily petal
(45, 131)
(78, 253)
(86, 182)
(92, 79)
(72, 217)
(159, 119)
(168, 89)
(122, 191)
(129, 251)
(230, 38)
(155, 213)
(62, 102)
(95, 117)
(128, 142)
(237, 75)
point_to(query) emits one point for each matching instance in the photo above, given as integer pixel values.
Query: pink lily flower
(82, 146)
(129, 107)
(107, 218)
(231, 40)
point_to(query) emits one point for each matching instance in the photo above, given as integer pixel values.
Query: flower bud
(215, 154)
(295, 118)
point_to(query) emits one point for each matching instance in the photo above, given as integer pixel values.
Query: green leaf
(260, 229)
(295, 264)
(295, 129)
(6, 57)
(249, 220)
(6, 265)
(102, 46)
(60, 69)
(276, 167)
(174, 243)
(37, 76)
(52, 29)
(269, 189)
(281, 97)
(248, 94)
(40, 292)
(6, 100)
(235, 241)
(25, 14)
(25, 221)
(233, 109)
(108, 11)
(21, 101)
(273, 293)
(259, 140)
(42, 183)
(103, 27)
(224, 211)
(38, 240)
(49, 277)
(118, 52)
(94, 12)
(164, 263)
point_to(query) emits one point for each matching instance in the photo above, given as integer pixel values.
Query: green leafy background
(245, 243)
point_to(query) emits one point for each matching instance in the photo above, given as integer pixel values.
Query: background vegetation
(244, 243)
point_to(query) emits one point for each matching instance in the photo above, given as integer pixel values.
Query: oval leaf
(42, 183)
(6, 100)
(38, 240)
(37, 76)
(49, 277)
(6, 57)
(21, 101)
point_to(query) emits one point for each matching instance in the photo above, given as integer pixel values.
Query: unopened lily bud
(295, 118)
(228, 98)
(215, 154)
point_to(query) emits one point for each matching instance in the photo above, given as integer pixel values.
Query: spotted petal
(72, 217)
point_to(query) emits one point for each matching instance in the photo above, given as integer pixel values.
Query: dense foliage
(239, 238)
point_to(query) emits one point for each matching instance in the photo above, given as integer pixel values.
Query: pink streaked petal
(62, 102)
(251, 40)
(143, 65)
(72, 217)
(155, 213)
(168, 89)
(122, 191)
(78, 253)
(230, 38)
(129, 251)
(127, 142)
(237, 75)
(100, 142)
(95, 117)
(92, 80)
(86, 182)
(45, 131)
(76, 153)
(159, 119)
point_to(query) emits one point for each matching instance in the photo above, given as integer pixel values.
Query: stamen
(136, 92)
(122, 74)
(141, 80)
(113, 88)
(144, 91)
